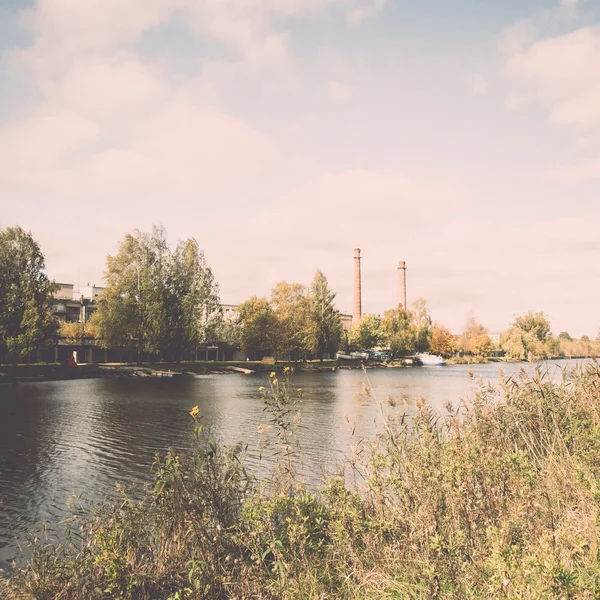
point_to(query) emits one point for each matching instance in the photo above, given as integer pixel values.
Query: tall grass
(496, 498)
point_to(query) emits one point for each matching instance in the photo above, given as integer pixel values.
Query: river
(67, 443)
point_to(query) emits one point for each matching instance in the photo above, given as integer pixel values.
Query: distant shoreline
(56, 372)
(11, 374)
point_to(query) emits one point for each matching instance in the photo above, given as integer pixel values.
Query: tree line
(163, 303)
(297, 322)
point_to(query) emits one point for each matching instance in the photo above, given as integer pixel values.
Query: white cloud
(67, 28)
(561, 74)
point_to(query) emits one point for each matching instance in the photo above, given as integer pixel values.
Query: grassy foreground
(498, 499)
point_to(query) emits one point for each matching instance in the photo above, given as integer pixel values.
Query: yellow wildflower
(286, 369)
(274, 381)
(272, 374)
(299, 389)
(261, 388)
(195, 411)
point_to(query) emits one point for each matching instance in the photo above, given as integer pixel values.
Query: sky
(461, 136)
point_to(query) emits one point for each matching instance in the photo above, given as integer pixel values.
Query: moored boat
(431, 360)
(352, 356)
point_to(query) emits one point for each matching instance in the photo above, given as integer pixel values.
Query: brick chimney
(356, 315)
(402, 285)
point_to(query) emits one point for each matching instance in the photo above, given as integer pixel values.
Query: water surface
(62, 440)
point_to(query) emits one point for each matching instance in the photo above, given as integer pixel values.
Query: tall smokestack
(402, 285)
(356, 315)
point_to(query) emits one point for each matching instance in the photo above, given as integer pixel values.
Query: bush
(497, 498)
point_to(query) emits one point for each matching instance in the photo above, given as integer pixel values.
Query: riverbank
(10, 374)
(57, 372)
(499, 503)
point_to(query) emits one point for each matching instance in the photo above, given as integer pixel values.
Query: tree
(482, 345)
(230, 330)
(528, 337)
(421, 322)
(367, 334)
(442, 341)
(157, 301)
(563, 335)
(77, 333)
(399, 331)
(326, 319)
(511, 342)
(296, 330)
(535, 323)
(26, 320)
(194, 311)
(473, 330)
(584, 338)
(259, 326)
(132, 310)
(552, 346)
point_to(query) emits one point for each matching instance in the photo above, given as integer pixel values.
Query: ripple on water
(65, 438)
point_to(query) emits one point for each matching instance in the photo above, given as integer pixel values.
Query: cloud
(560, 74)
(110, 121)
(120, 130)
(66, 28)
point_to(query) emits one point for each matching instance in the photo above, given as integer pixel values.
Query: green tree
(563, 335)
(422, 326)
(194, 311)
(77, 333)
(552, 346)
(132, 311)
(511, 342)
(158, 302)
(442, 341)
(26, 320)
(296, 330)
(367, 334)
(535, 323)
(327, 324)
(529, 337)
(399, 331)
(230, 330)
(258, 324)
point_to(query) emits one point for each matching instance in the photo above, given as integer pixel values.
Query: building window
(72, 314)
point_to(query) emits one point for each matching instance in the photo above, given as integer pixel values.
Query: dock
(240, 370)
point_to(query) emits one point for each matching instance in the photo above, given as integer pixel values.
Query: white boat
(352, 356)
(431, 360)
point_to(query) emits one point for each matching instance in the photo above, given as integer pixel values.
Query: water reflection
(82, 437)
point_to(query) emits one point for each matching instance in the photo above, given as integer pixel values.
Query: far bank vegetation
(163, 303)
